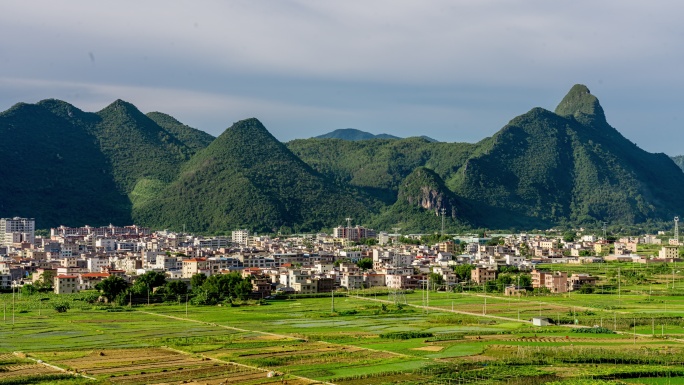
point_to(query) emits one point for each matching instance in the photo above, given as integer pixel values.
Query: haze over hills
(354, 135)
(65, 166)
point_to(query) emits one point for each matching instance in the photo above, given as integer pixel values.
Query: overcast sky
(452, 70)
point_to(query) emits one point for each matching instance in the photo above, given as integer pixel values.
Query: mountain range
(64, 166)
(354, 134)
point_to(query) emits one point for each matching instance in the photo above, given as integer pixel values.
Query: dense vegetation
(569, 167)
(246, 178)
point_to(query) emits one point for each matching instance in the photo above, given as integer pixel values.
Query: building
(481, 275)
(353, 233)
(578, 280)
(557, 282)
(669, 252)
(66, 284)
(538, 278)
(241, 237)
(17, 230)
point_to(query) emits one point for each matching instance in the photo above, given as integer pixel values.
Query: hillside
(55, 171)
(422, 200)
(65, 166)
(246, 178)
(541, 169)
(192, 138)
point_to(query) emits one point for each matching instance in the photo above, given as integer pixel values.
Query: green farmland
(369, 338)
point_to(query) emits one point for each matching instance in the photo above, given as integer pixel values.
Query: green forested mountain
(543, 168)
(65, 166)
(78, 167)
(247, 178)
(193, 138)
(55, 171)
(354, 134)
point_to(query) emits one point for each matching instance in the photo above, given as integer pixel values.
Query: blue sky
(453, 70)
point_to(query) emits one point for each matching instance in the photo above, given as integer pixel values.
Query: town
(72, 259)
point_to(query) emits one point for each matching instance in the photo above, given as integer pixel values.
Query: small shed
(541, 321)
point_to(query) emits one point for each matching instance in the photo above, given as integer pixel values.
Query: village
(71, 259)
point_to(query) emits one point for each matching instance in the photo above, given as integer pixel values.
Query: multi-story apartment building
(241, 237)
(353, 233)
(17, 230)
(481, 275)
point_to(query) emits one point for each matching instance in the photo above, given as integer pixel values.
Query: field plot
(15, 369)
(152, 366)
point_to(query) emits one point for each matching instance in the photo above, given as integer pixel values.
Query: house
(578, 280)
(481, 275)
(557, 282)
(66, 284)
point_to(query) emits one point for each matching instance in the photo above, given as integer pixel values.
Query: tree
(524, 280)
(569, 236)
(28, 289)
(46, 281)
(112, 286)
(463, 271)
(148, 281)
(435, 280)
(223, 287)
(61, 307)
(197, 281)
(586, 289)
(176, 288)
(365, 263)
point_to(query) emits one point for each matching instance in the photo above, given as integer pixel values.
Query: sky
(456, 71)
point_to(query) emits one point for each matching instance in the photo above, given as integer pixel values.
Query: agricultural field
(635, 336)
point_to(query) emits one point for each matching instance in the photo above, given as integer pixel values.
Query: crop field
(454, 338)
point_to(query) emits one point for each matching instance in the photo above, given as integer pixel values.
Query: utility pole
(13, 302)
(332, 299)
(443, 215)
(186, 305)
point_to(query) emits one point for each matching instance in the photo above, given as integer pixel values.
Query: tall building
(241, 237)
(353, 233)
(17, 230)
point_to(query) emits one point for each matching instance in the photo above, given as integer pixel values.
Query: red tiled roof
(95, 275)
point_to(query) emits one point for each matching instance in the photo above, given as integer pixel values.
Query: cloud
(462, 69)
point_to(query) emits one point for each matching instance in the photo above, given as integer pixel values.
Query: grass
(301, 337)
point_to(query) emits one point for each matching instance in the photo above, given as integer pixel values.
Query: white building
(17, 230)
(241, 237)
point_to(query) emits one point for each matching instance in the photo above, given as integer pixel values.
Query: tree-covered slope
(54, 171)
(193, 138)
(379, 166)
(246, 178)
(543, 168)
(422, 200)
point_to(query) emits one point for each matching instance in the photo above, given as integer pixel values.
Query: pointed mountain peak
(582, 105)
(251, 126)
(121, 106)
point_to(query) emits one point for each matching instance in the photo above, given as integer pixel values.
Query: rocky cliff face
(424, 188)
